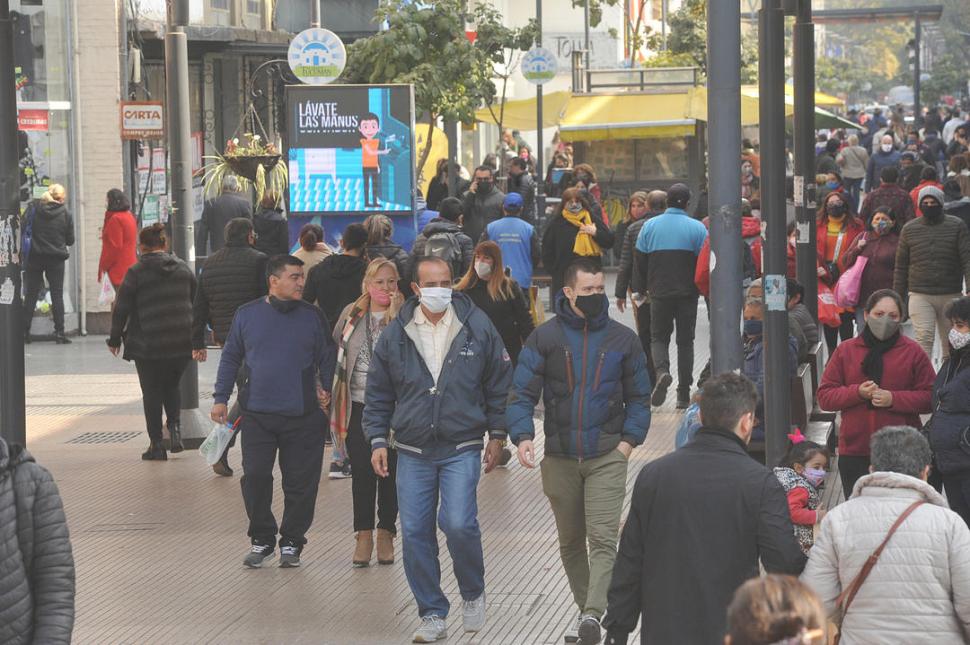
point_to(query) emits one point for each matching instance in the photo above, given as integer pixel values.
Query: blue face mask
(753, 327)
(831, 185)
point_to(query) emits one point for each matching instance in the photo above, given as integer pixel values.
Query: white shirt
(434, 339)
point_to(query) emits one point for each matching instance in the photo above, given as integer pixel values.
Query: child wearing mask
(802, 473)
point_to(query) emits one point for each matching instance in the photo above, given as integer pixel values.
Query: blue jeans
(419, 484)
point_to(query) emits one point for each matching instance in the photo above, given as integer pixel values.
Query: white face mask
(483, 269)
(959, 340)
(435, 299)
(887, 147)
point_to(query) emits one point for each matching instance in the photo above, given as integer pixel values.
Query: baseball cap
(513, 202)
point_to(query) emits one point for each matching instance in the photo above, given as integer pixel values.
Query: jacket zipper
(599, 370)
(570, 381)
(582, 392)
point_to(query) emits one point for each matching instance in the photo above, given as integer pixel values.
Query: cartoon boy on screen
(370, 148)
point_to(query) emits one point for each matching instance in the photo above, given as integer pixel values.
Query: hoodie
(272, 231)
(52, 231)
(335, 283)
(37, 585)
(153, 309)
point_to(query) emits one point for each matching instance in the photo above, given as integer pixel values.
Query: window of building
(254, 7)
(219, 5)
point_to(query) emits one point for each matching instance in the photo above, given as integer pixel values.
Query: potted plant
(254, 162)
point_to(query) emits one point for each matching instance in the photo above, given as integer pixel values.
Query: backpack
(27, 234)
(446, 246)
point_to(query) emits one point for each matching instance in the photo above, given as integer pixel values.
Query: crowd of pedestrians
(420, 365)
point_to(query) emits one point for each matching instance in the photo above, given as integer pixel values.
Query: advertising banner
(351, 149)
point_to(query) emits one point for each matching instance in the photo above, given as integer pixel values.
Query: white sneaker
(432, 629)
(572, 632)
(473, 614)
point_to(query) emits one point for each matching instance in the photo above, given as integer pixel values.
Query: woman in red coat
(836, 227)
(119, 237)
(879, 378)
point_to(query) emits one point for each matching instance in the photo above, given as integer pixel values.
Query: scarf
(340, 404)
(584, 245)
(872, 363)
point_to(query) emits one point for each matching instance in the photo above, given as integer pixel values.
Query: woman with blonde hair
(775, 610)
(50, 228)
(499, 296)
(356, 333)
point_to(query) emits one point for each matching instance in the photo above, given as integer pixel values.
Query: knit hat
(931, 191)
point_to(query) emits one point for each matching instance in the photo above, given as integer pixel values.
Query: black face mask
(485, 186)
(591, 305)
(283, 306)
(836, 210)
(934, 212)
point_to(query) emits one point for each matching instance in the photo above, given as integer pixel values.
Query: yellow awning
(749, 107)
(521, 114)
(821, 99)
(626, 116)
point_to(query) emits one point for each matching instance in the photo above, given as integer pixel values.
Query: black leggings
(845, 330)
(39, 266)
(366, 486)
(958, 495)
(159, 380)
(851, 468)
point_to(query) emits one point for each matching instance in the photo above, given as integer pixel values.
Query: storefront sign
(317, 56)
(539, 65)
(604, 49)
(142, 120)
(33, 120)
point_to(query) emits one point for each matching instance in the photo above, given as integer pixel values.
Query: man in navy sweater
(289, 363)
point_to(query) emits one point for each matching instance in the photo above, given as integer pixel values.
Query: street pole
(724, 190)
(663, 25)
(540, 168)
(804, 148)
(13, 419)
(771, 93)
(315, 13)
(451, 130)
(180, 163)
(917, 107)
(586, 32)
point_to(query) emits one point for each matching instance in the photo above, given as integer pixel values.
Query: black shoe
(589, 631)
(289, 556)
(155, 452)
(660, 389)
(221, 467)
(61, 339)
(259, 554)
(175, 432)
(683, 399)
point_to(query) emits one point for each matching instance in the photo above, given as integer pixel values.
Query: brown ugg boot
(365, 547)
(385, 547)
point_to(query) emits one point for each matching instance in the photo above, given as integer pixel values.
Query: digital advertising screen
(350, 150)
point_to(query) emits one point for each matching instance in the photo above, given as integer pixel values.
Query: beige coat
(919, 590)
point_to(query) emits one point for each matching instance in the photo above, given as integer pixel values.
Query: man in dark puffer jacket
(231, 277)
(37, 585)
(591, 373)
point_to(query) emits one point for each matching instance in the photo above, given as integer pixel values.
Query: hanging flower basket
(248, 166)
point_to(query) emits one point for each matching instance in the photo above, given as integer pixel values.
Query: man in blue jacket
(666, 255)
(592, 375)
(439, 376)
(517, 239)
(289, 362)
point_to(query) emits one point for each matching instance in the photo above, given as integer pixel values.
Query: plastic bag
(107, 295)
(217, 441)
(828, 310)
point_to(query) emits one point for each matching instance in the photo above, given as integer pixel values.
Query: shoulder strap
(846, 597)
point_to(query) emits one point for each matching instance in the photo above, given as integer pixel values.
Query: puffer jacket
(153, 312)
(592, 376)
(933, 259)
(52, 231)
(919, 590)
(335, 283)
(36, 564)
(435, 420)
(951, 413)
(230, 277)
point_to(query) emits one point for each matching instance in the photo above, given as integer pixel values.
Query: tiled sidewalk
(159, 546)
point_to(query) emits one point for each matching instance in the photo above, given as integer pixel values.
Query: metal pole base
(195, 428)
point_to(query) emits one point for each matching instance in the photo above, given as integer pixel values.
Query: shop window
(662, 159)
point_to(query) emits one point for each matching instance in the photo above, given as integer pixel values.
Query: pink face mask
(379, 296)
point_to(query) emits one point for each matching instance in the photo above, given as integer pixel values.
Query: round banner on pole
(317, 56)
(539, 65)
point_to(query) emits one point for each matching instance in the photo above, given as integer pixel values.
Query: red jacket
(914, 194)
(750, 232)
(907, 373)
(119, 237)
(854, 226)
